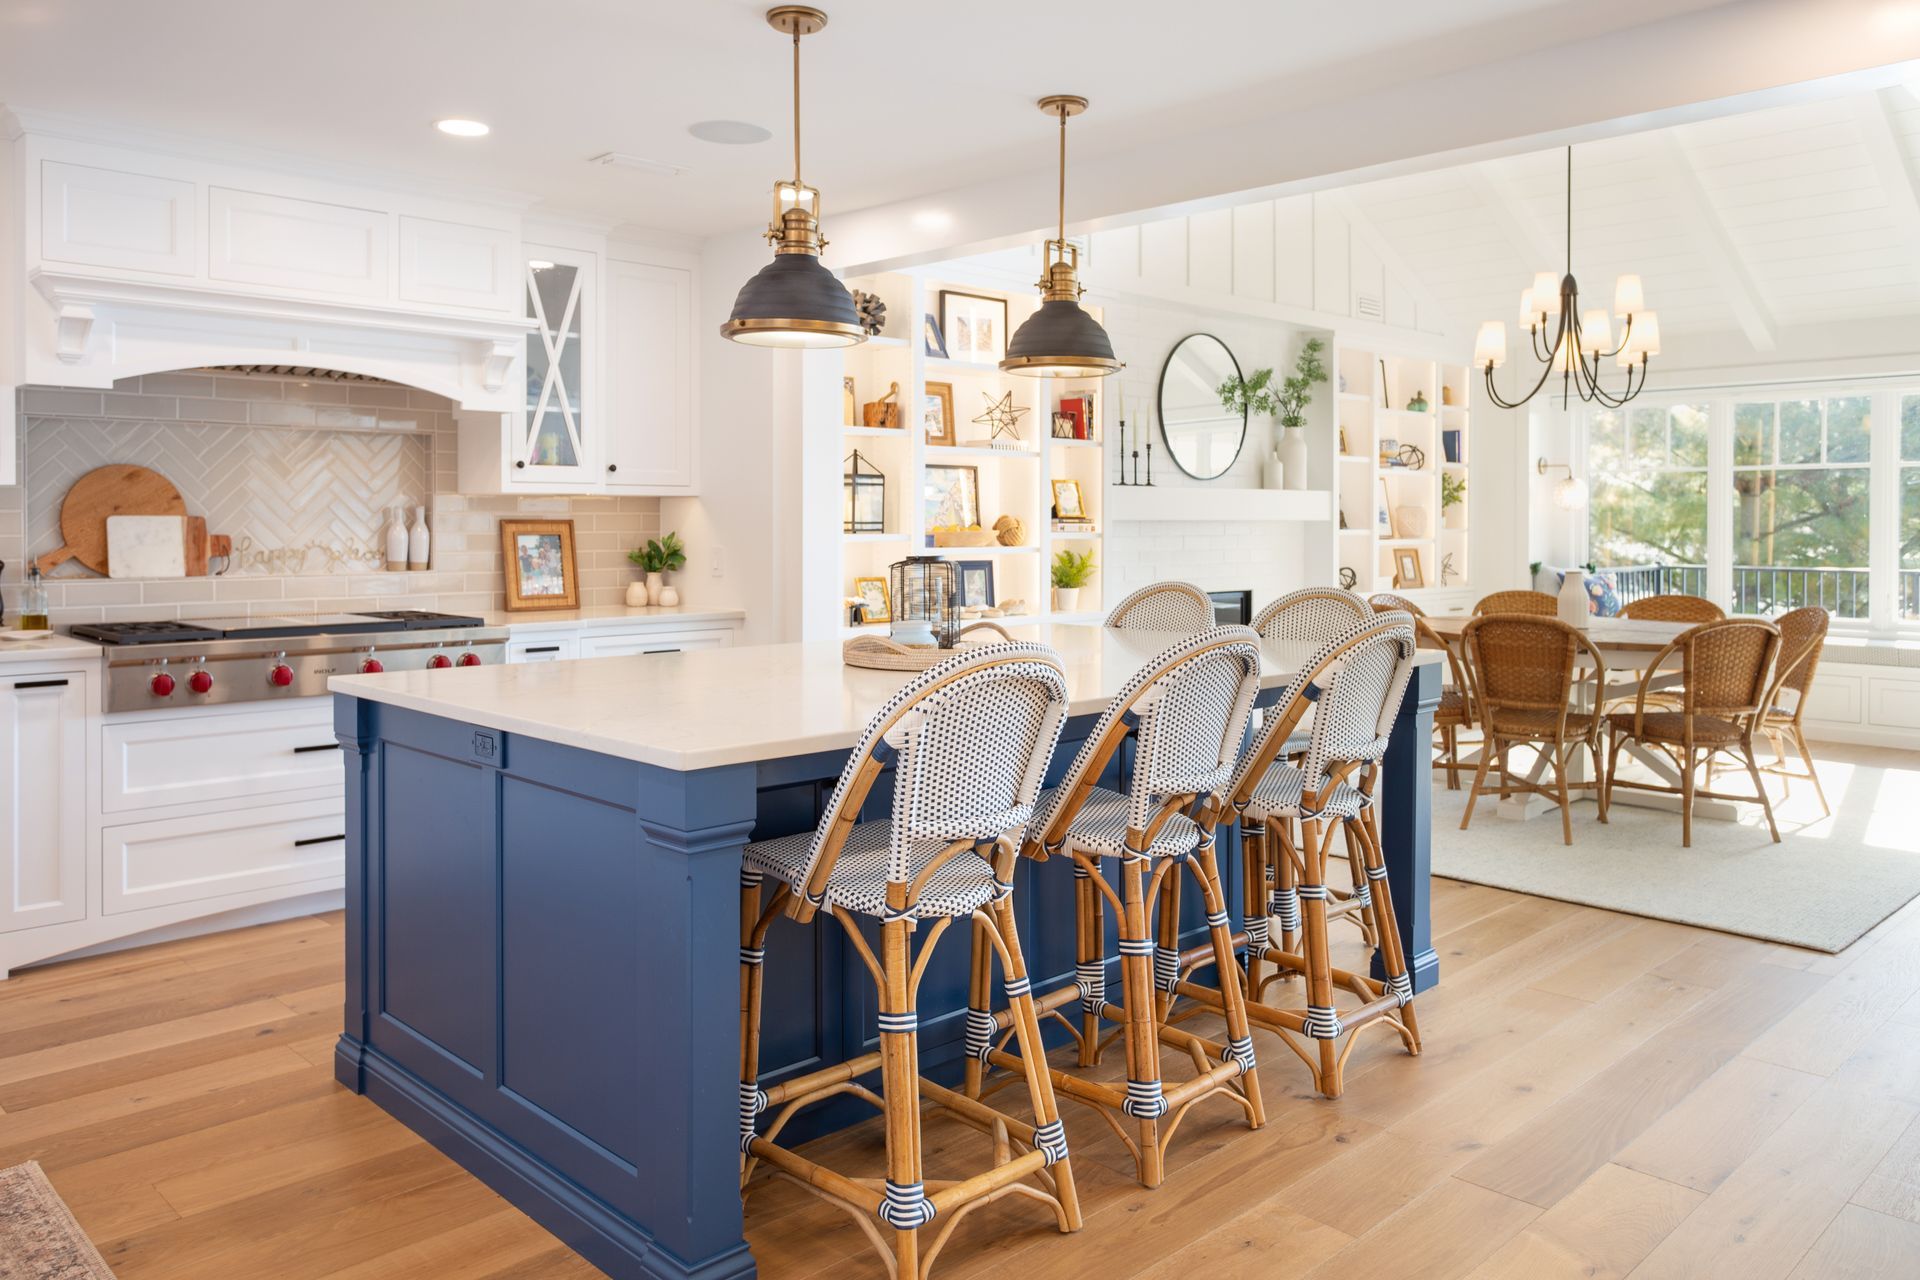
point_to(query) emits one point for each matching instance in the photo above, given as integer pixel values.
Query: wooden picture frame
(975, 326)
(1068, 502)
(1345, 452)
(975, 579)
(936, 413)
(1406, 567)
(875, 604)
(541, 572)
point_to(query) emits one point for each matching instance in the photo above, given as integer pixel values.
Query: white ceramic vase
(1573, 598)
(1066, 599)
(1273, 473)
(669, 596)
(654, 588)
(1293, 456)
(636, 593)
(419, 541)
(397, 540)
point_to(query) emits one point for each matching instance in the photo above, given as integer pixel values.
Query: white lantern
(1643, 341)
(1490, 346)
(1596, 337)
(1628, 300)
(1546, 294)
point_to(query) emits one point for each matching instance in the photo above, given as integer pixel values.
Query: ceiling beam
(1703, 223)
(1874, 114)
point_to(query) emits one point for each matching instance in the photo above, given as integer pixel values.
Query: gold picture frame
(1068, 502)
(1406, 567)
(538, 559)
(936, 413)
(869, 590)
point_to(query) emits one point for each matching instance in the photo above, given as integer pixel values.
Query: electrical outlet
(719, 562)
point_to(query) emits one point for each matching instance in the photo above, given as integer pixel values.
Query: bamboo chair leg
(1033, 1057)
(1145, 1096)
(900, 1090)
(1288, 890)
(1091, 952)
(1479, 783)
(1166, 954)
(1686, 800)
(751, 970)
(1506, 771)
(1614, 743)
(1753, 771)
(1806, 757)
(1601, 796)
(1357, 872)
(979, 1002)
(1393, 959)
(1560, 786)
(1206, 870)
(1253, 895)
(1323, 1021)
(1453, 758)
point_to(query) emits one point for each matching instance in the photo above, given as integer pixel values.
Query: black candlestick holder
(1123, 451)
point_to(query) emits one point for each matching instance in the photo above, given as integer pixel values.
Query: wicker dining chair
(1673, 609)
(1455, 711)
(1803, 637)
(1537, 604)
(969, 741)
(1355, 685)
(1187, 712)
(1313, 615)
(1526, 673)
(1726, 669)
(1164, 606)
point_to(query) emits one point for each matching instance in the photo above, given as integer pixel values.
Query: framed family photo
(540, 569)
(874, 604)
(976, 582)
(952, 497)
(936, 413)
(1067, 502)
(975, 326)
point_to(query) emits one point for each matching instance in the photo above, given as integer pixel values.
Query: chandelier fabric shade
(794, 301)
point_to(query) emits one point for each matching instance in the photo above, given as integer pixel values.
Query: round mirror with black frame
(1203, 435)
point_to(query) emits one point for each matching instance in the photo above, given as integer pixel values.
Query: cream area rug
(39, 1240)
(1827, 882)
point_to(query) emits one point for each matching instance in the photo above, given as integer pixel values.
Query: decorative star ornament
(1002, 415)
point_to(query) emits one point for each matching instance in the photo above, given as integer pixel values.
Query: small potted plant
(661, 556)
(1072, 570)
(1453, 496)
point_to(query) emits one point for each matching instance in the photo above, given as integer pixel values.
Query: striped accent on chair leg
(1377, 873)
(899, 1023)
(1091, 976)
(906, 1207)
(1219, 920)
(1240, 1051)
(750, 876)
(1144, 1100)
(1166, 968)
(1362, 895)
(1017, 987)
(753, 1100)
(1051, 1141)
(1284, 905)
(1136, 946)
(980, 1031)
(1257, 932)
(1400, 987)
(752, 955)
(1323, 1022)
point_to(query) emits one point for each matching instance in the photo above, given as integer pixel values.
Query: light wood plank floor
(1601, 1096)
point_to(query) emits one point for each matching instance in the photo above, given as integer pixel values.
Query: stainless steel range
(157, 665)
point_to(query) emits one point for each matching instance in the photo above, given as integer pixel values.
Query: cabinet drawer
(548, 649)
(173, 760)
(174, 860)
(601, 645)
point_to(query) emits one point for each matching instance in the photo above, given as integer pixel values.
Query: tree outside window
(1648, 507)
(1801, 505)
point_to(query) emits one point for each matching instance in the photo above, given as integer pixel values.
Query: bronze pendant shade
(794, 301)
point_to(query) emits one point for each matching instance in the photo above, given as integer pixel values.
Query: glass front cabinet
(559, 440)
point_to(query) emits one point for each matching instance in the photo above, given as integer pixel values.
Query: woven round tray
(882, 654)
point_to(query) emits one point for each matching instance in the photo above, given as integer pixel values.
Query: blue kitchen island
(542, 966)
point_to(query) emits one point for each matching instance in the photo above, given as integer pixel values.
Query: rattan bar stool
(969, 740)
(1726, 678)
(1164, 606)
(1311, 615)
(1803, 637)
(1355, 683)
(1455, 711)
(1187, 711)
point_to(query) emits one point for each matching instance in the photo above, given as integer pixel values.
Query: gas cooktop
(271, 627)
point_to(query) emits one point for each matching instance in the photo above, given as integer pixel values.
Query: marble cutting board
(146, 547)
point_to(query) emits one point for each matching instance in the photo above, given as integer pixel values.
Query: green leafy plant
(1296, 389)
(1072, 569)
(664, 554)
(1453, 490)
(1254, 396)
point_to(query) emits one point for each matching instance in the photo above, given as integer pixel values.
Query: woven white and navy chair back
(1312, 615)
(1188, 709)
(969, 740)
(1354, 714)
(1164, 606)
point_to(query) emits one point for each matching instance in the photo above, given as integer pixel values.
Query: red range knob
(162, 685)
(469, 659)
(281, 676)
(372, 667)
(439, 661)
(200, 682)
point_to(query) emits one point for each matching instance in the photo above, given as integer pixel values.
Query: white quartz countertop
(55, 647)
(611, 615)
(710, 707)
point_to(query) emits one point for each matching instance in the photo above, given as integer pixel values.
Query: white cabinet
(616, 635)
(110, 218)
(649, 363)
(217, 855)
(600, 644)
(259, 755)
(543, 648)
(43, 797)
(300, 246)
(557, 443)
(455, 264)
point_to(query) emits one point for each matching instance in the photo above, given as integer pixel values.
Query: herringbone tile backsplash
(302, 476)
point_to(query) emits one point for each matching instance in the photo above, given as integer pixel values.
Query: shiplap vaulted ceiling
(1793, 216)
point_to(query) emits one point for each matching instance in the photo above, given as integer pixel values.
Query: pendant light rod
(796, 106)
(1063, 170)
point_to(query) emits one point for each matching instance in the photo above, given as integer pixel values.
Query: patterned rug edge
(39, 1236)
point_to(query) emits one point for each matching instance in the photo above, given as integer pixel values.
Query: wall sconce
(1570, 494)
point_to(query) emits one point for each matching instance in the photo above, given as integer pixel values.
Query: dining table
(1627, 646)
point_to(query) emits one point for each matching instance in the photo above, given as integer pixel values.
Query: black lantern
(865, 508)
(926, 610)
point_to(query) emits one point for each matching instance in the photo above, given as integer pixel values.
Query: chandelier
(1580, 341)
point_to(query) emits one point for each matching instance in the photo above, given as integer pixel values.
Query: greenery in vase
(664, 554)
(1072, 569)
(1254, 396)
(1453, 490)
(1296, 389)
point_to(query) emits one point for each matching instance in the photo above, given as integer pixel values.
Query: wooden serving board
(195, 537)
(118, 490)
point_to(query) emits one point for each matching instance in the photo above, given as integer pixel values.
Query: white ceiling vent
(640, 164)
(1368, 308)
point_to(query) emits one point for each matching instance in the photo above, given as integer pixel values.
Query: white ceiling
(902, 98)
(1797, 215)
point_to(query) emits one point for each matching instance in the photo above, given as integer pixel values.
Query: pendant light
(794, 301)
(1060, 340)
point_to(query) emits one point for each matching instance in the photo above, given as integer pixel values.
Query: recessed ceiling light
(933, 220)
(462, 128)
(731, 133)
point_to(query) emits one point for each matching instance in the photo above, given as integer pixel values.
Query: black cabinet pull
(520, 466)
(541, 648)
(40, 684)
(319, 746)
(317, 840)
(647, 651)
(613, 466)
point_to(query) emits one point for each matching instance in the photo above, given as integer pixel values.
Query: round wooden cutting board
(118, 490)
